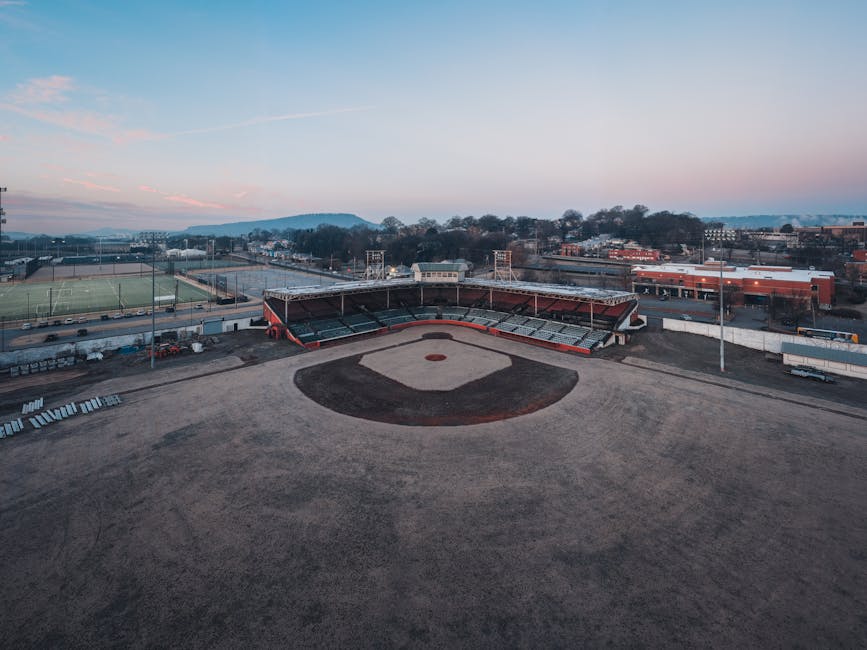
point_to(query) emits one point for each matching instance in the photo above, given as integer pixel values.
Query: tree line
(473, 238)
(468, 237)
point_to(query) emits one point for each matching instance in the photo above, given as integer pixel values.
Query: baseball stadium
(435, 461)
(566, 318)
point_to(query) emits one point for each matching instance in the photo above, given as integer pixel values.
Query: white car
(69, 321)
(812, 373)
(27, 326)
(686, 317)
(117, 315)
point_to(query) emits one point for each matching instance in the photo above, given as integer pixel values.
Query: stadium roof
(566, 292)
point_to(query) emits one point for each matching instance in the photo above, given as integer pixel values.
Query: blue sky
(150, 115)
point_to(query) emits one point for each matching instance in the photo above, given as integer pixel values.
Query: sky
(161, 115)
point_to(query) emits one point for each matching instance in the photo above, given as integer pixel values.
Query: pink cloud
(136, 135)
(4, 138)
(33, 99)
(152, 190)
(91, 186)
(47, 90)
(193, 202)
(81, 121)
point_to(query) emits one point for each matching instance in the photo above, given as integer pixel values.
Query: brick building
(756, 284)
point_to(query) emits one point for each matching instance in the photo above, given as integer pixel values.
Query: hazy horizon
(150, 115)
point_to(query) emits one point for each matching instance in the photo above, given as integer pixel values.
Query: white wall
(756, 339)
(772, 342)
(834, 367)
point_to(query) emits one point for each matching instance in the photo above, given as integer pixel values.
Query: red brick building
(756, 284)
(571, 250)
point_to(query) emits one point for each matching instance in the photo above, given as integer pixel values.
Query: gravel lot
(651, 505)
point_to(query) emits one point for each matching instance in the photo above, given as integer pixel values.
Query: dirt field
(219, 506)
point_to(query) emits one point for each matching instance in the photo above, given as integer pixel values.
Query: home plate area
(435, 381)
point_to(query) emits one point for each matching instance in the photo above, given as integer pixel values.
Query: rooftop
(554, 290)
(783, 273)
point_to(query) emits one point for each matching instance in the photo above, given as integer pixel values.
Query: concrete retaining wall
(756, 339)
(772, 342)
(833, 367)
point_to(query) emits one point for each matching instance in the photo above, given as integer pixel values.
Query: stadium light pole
(153, 296)
(2, 221)
(722, 350)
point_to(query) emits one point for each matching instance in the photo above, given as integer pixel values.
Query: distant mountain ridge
(777, 220)
(297, 222)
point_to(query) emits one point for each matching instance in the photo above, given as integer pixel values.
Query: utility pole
(153, 296)
(722, 350)
(2, 221)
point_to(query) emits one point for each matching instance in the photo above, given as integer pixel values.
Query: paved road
(14, 339)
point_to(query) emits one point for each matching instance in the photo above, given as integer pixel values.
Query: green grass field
(30, 301)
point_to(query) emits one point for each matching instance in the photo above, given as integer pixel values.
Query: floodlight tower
(374, 265)
(503, 266)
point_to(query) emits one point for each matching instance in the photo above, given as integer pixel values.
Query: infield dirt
(219, 506)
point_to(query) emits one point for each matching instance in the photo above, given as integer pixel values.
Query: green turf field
(30, 301)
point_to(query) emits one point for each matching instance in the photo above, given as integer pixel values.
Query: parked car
(82, 332)
(42, 323)
(200, 306)
(686, 317)
(170, 310)
(140, 312)
(69, 321)
(82, 319)
(26, 326)
(117, 316)
(104, 317)
(56, 323)
(50, 337)
(812, 373)
(128, 314)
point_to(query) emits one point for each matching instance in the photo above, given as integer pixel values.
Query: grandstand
(577, 319)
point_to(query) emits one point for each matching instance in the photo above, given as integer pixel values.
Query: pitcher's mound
(465, 384)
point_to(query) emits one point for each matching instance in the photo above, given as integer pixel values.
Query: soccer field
(38, 300)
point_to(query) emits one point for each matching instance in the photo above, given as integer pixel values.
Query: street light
(57, 242)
